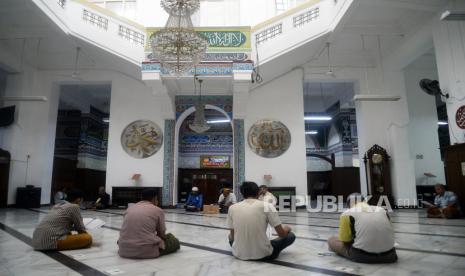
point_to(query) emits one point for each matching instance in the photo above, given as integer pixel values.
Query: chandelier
(178, 47)
(199, 125)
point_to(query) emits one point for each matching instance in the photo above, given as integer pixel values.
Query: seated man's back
(373, 230)
(249, 219)
(139, 235)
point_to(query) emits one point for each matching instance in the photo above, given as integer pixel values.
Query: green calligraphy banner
(230, 40)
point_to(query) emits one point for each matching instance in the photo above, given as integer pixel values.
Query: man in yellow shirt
(365, 233)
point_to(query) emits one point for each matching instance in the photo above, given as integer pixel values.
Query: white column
(386, 123)
(32, 134)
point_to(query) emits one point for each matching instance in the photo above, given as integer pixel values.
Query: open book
(427, 204)
(93, 223)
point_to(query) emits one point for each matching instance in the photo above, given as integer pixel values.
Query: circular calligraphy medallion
(142, 139)
(268, 138)
(460, 117)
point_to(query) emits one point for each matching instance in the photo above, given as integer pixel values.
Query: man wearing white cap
(194, 202)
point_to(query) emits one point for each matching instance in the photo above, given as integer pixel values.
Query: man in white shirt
(265, 195)
(365, 233)
(248, 220)
(226, 200)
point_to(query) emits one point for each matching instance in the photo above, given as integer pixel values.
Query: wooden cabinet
(454, 162)
(122, 196)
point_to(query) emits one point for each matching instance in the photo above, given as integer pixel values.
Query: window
(281, 5)
(126, 8)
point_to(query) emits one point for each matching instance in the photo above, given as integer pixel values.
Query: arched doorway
(204, 160)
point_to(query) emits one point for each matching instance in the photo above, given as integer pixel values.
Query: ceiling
(318, 97)
(39, 42)
(374, 27)
(81, 97)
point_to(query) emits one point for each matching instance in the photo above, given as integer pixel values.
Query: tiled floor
(425, 247)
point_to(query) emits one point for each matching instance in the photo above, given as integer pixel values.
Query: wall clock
(378, 174)
(142, 139)
(268, 138)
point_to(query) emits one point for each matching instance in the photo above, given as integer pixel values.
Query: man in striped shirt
(54, 231)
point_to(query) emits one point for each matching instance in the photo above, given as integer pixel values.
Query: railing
(306, 17)
(131, 35)
(95, 19)
(80, 18)
(269, 33)
(297, 26)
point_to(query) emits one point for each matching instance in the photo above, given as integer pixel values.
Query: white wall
(131, 101)
(280, 99)
(315, 164)
(449, 42)
(33, 132)
(423, 128)
(334, 137)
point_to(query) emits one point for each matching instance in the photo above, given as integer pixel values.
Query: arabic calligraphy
(141, 139)
(269, 139)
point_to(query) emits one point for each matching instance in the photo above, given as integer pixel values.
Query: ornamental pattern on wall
(268, 138)
(239, 154)
(168, 163)
(142, 139)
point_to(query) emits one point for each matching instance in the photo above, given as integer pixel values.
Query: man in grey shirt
(248, 221)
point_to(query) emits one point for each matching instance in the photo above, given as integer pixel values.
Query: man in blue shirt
(194, 202)
(445, 204)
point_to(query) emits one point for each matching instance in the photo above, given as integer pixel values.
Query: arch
(178, 124)
(330, 161)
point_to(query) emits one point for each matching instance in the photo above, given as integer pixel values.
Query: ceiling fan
(75, 75)
(330, 71)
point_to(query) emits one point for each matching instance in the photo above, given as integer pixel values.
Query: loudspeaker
(28, 197)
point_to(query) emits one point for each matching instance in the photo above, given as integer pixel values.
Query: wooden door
(4, 177)
(209, 182)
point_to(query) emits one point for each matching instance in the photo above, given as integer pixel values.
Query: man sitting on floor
(265, 195)
(365, 233)
(54, 231)
(226, 200)
(247, 221)
(103, 200)
(142, 235)
(445, 204)
(194, 202)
